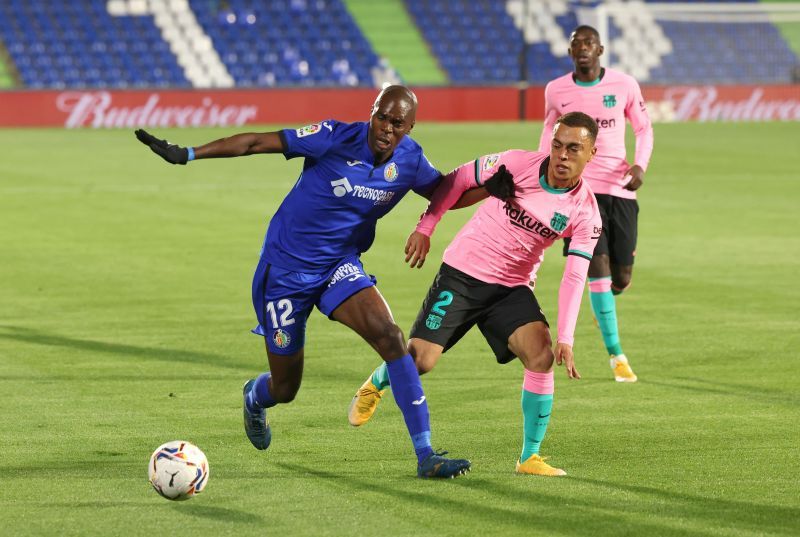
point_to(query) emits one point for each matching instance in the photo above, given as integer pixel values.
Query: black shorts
(457, 301)
(620, 228)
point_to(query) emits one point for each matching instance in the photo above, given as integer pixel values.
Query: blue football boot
(255, 422)
(436, 465)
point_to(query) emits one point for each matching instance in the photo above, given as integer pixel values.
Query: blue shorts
(283, 299)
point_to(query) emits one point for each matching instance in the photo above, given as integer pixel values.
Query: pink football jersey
(504, 241)
(612, 99)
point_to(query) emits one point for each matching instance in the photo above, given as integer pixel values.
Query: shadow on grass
(515, 506)
(35, 337)
(698, 385)
(759, 518)
(221, 514)
(99, 467)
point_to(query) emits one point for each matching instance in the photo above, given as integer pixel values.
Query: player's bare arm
(248, 143)
(238, 145)
(468, 198)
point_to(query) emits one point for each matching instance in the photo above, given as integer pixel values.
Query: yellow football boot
(535, 465)
(622, 369)
(364, 403)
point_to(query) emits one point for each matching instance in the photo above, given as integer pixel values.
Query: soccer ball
(178, 470)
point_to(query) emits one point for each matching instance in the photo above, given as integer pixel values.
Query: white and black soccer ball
(178, 470)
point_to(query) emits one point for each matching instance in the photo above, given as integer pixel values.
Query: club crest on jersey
(390, 172)
(609, 101)
(308, 130)
(558, 222)
(490, 161)
(433, 322)
(281, 338)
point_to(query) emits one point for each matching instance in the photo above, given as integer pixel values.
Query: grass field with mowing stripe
(124, 323)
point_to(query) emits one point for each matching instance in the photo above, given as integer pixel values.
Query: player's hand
(174, 154)
(500, 184)
(564, 356)
(636, 174)
(417, 248)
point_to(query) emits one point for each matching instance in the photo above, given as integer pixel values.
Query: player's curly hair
(579, 119)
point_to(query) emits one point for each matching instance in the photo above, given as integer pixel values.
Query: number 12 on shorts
(282, 306)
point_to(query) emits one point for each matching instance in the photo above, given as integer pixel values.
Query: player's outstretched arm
(499, 185)
(233, 146)
(172, 153)
(471, 197)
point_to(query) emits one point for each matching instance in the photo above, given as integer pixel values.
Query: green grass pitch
(124, 319)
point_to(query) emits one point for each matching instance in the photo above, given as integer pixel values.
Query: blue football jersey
(333, 208)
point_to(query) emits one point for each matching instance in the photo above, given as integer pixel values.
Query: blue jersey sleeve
(427, 176)
(310, 141)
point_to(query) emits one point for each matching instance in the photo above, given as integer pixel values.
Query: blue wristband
(191, 154)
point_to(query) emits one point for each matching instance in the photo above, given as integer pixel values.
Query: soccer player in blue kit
(353, 174)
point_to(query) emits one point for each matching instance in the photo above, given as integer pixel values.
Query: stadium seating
(730, 53)
(256, 43)
(55, 44)
(651, 50)
(475, 40)
(295, 43)
(70, 44)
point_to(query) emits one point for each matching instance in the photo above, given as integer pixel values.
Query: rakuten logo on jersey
(519, 218)
(605, 123)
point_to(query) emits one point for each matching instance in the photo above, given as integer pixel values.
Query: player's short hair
(587, 28)
(579, 119)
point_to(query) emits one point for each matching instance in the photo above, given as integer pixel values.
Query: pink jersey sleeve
(451, 187)
(569, 297)
(584, 238)
(468, 175)
(550, 117)
(636, 111)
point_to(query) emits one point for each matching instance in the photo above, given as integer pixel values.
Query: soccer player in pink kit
(485, 275)
(610, 97)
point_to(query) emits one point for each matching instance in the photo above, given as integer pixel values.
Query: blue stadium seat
(317, 43)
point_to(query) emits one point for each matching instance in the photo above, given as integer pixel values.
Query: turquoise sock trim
(536, 409)
(380, 377)
(604, 307)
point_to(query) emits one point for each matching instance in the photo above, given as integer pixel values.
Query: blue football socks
(259, 396)
(408, 395)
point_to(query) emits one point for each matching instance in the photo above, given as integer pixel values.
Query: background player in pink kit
(486, 269)
(610, 97)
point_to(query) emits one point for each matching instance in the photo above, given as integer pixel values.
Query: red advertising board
(179, 108)
(705, 103)
(195, 108)
(723, 103)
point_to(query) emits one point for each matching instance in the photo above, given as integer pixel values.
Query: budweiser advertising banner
(223, 108)
(232, 108)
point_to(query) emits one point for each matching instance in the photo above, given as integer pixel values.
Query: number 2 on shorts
(445, 299)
